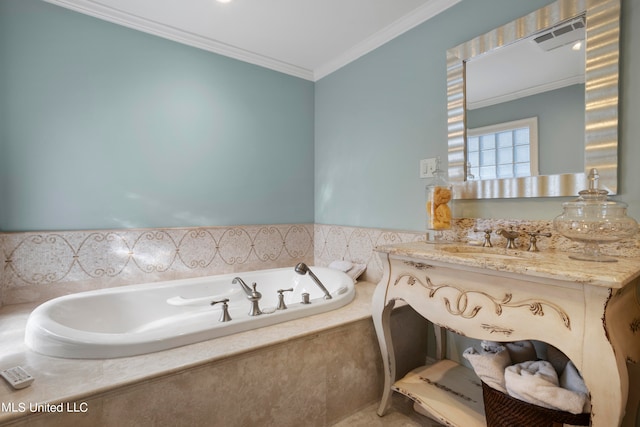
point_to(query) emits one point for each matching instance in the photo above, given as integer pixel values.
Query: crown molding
(402, 25)
(116, 16)
(88, 7)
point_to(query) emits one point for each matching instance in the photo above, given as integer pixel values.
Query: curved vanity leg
(382, 322)
(607, 389)
(603, 368)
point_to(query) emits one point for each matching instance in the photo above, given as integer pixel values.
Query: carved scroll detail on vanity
(418, 265)
(460, 306)
(494, 329)
(635, 325)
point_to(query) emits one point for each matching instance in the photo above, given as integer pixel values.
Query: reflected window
(503, 150)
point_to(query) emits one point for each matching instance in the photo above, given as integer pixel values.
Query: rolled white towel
(537, 382)
(352, 269)
(521, 351)
(572, 380)
(489, 365)
(341, 265)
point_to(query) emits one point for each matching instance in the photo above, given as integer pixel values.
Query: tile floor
(401, 414)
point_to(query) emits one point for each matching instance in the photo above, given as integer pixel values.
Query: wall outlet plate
(427, 166)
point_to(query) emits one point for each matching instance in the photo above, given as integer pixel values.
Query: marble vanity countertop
(67, 380)
(548, 264)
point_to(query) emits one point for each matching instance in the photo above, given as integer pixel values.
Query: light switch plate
(427, 166)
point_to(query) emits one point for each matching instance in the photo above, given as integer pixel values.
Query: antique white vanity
(589, 311)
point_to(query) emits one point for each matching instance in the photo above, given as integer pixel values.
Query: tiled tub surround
(312, 371)
(42, 265)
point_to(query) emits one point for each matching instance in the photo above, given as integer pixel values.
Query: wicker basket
(502, 410)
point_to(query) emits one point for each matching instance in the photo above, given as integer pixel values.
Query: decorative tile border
(43, 265)
(335, 242)
(40, 265)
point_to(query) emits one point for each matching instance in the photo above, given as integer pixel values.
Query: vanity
(590, 311)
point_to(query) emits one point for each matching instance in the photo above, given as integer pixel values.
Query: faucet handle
(281, 304)
(224, 317)
(533, 240)
(487, 237)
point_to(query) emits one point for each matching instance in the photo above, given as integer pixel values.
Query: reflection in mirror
(503, 150)
(546, 81)
(557, 66)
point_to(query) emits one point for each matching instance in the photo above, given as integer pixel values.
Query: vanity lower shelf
(447, 392)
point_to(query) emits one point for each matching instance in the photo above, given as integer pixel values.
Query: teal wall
(378, 116)
(106, 127)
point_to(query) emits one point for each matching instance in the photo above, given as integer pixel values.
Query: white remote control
(17, 377)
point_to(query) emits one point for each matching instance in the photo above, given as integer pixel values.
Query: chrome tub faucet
(252, 295)
(245, 288)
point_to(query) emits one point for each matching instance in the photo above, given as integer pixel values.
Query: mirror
(587, 120)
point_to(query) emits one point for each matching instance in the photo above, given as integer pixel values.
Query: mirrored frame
(601, 101)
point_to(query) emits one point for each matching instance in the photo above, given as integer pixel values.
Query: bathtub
(145, 318)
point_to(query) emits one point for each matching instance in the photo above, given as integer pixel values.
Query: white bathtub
(138, 319)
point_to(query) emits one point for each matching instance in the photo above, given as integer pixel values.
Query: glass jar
(439, 199)
(593, 219)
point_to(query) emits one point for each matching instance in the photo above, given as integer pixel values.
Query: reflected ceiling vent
(565, 33)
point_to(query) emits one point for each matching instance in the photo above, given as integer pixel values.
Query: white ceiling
(305, 38)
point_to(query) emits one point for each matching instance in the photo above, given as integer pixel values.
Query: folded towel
(489, 365)
(491, 346)
(341, 265)
(537, 382)
(521, 351)
(572, 380)
(353, 270)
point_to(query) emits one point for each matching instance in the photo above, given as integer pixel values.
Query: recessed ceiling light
(223, 1)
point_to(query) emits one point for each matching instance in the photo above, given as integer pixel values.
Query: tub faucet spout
(252, 295)
(245, 287)
(303, 269)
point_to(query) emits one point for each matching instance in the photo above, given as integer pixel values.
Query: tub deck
(73, 380)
